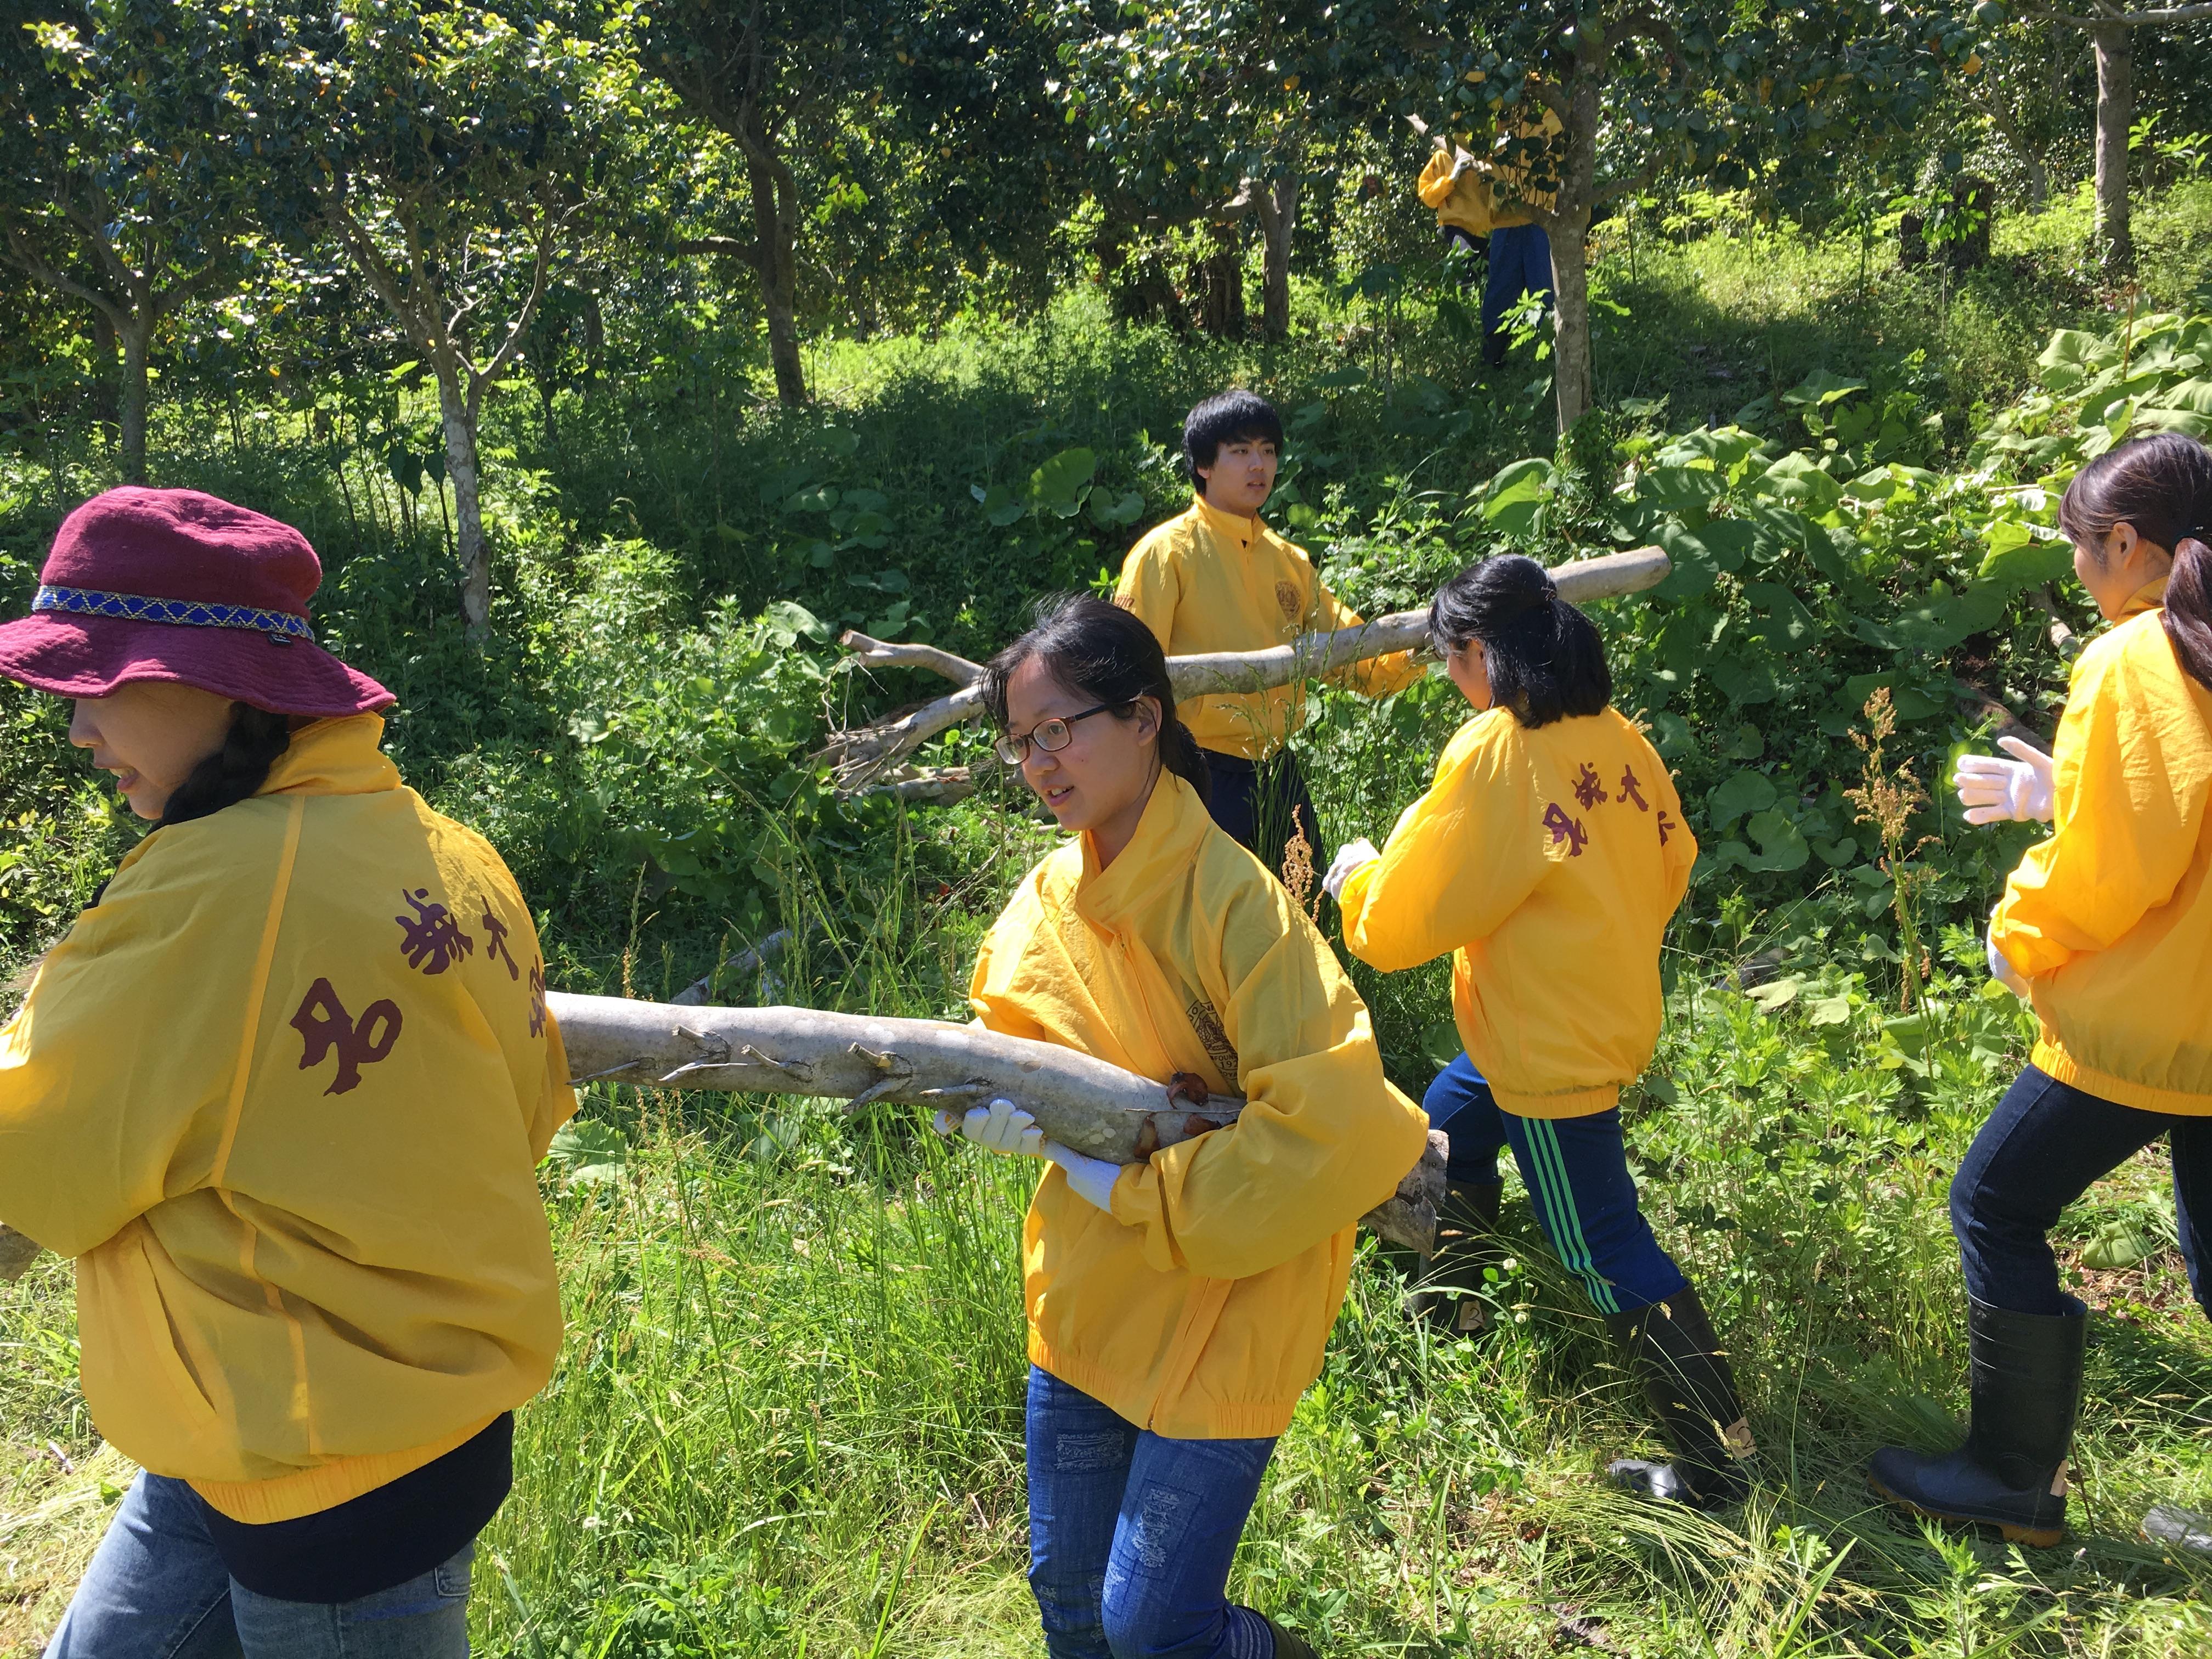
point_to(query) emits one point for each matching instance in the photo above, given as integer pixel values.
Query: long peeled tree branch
(866, 755)
(1084, 1103)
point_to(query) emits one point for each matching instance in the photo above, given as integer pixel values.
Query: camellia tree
(123, 149)
(1206, 112)
(1748, 96)
(2112, 29)
(450, 152)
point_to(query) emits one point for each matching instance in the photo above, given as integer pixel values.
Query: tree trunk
(778, 266)
(1222, 277)
(2116, 109)
(106, 406)
(1277, 207)
(1570, 344)
(137, 339)
(1083, 1102)
(460, 424)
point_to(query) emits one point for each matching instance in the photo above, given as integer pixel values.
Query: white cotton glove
(1353, 855)
(2002, 971)
(1996, 791)
(1002, 1126)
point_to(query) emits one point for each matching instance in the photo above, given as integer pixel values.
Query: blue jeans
(1520, 263)
(156, 1589)
(2045, 1145)
(1132, 1535)
(1576, 1172)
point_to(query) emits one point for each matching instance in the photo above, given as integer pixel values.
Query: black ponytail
(235, 771)
(1101, 652)
(1546, 660)
(2162, 485)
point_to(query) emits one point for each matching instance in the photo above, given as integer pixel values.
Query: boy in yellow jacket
(1548, 857)
(1217, 578)
(281, 1091)
(1452, 185)
(2107, 929)
(1176, 1308)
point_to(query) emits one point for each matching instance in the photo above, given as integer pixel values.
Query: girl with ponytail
(2106, 928)
(1548, 857)
(1177, 1308)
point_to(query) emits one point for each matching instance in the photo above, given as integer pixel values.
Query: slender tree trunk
(1571, 344)
(459, 420)
(2116, 109)
(137, 339)
(1222, 277)
(778, 266)
(1277, 207)
(106, 407)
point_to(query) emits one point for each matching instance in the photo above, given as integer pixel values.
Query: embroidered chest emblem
(1207, 1023)
(1287, 595)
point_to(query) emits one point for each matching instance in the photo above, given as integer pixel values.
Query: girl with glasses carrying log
(1177, 1308)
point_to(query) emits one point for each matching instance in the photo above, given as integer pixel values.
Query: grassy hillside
(787, 1420)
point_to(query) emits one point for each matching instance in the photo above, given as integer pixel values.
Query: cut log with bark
(891, 653)
(866, 755)
(1082, 1102)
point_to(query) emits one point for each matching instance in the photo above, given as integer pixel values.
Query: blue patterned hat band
(282, 625)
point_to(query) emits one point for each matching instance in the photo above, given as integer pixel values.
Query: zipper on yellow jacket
(1208, 580)
(1198, 1308)
(282, 1094)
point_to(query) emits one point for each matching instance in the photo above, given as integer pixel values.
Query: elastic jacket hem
(1568, 1102)
(2054, 1062)
(1263, 1419)
(290, 1497)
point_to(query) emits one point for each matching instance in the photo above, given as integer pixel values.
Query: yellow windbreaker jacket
(1464, 201)
(1549, 861)
(1200, 1307)
(281, 1093)
(2109, 919)
(1209, 581)
(1527, 124)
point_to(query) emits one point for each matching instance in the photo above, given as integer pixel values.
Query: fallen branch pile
(875, 757)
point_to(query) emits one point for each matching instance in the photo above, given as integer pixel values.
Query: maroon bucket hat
(175, 585)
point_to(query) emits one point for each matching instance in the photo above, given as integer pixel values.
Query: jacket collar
(1231, 527)
(1158, 856)
(341, 757)
(2151, 595)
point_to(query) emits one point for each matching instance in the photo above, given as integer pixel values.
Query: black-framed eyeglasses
(1050, 735)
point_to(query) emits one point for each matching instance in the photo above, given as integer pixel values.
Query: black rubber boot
(1466, 1225)
(1289, 1644)
(1494, 347)
(2026, 1387)
(1671, 1348)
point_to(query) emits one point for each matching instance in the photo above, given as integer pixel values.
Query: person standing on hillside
(1548, 857)
(1452, 185)
(1217, 578)
(1520, 251)
(1177, 1308)
(2106, 928)
(281, 1091)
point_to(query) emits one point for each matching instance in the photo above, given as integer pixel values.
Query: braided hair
(235, 772)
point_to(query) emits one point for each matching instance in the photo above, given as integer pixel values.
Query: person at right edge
(1547, 856)
(1217, 578)
(2106, 928)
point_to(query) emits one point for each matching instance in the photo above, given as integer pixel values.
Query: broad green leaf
(2119, 1245)
(786, 620)
(1821, 388)
(1060, 481)
(1745, 682)
(2070, 358)
(1747, 793)
(1529, 480)
(1777, 994)
(1781, 846)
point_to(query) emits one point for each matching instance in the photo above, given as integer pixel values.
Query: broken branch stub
(862, 756)
(890, 654)
(1083, 1102)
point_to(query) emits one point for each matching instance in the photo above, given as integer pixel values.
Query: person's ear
(1148, 713)
(2120, 544)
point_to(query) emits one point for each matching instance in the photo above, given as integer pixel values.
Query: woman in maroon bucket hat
(281, 1092)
